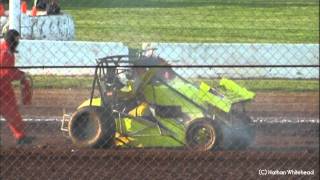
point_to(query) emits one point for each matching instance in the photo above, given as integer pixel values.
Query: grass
(245, 21)
(85, 82)
(60, 82)
(276, 85)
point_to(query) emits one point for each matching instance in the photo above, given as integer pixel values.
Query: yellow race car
(156, 107)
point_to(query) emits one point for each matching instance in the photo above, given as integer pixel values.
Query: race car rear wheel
(203, 135)
(92, 127)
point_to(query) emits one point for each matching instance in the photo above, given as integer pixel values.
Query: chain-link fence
(152, 89)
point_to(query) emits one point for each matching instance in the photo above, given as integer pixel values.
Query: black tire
(92, 127)
(240, 135)
(210, 131)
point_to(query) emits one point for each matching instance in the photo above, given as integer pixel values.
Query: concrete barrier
(241, 54)
(82, 53)
(65, 53)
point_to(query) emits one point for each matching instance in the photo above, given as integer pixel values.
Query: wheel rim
(203, 137)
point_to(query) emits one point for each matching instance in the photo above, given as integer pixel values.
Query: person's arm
(11, 73)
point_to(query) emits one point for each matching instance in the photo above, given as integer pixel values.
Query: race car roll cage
(106, 74)
(104, 63)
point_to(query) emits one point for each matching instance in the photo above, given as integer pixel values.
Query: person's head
(12, 38)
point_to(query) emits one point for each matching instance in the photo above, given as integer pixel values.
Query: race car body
(153, 110)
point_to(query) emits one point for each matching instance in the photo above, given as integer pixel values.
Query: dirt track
(276, 147)
(153, 164)
(51, 102)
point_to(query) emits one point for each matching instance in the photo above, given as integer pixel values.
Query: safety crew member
(8, 73)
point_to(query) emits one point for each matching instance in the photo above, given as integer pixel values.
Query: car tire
(209, 129)
(92, 127)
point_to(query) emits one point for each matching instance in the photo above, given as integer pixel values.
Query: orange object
(1, 9)
(24, 7)
(34, 11)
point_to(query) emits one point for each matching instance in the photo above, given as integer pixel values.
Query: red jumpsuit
(8, 104)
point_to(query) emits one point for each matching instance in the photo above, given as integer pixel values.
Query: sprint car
(142, 102)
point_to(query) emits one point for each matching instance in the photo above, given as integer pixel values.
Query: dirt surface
(278, 147)
(275, 137)
(52, 102)
(154, 164)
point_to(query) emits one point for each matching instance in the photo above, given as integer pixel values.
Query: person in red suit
(8, 73)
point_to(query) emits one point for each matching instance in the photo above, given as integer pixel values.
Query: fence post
(14, 14)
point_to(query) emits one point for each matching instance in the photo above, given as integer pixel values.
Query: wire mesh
(151, 89)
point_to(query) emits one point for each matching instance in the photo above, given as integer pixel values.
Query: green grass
(85, 82)
(275, 85)
(245, 21)
(52, 81)
(60, 82)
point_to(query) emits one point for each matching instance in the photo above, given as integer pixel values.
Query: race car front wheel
(203, 135)
(92, 127)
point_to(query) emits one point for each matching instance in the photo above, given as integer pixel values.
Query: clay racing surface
(287, 126)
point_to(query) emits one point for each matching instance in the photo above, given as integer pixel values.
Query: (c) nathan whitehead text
(286, 172)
